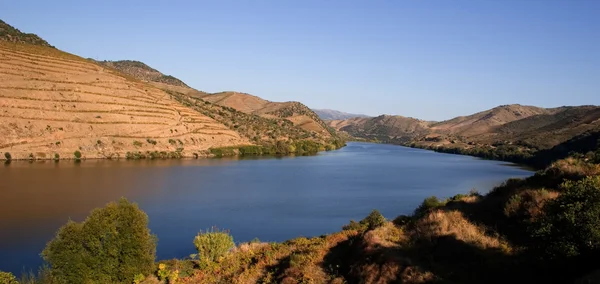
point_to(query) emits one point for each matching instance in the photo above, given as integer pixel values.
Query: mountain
(516, 129)
(295, 112)
(329, 114)
(383, 127)
(142, 72)
(56, 104)
(11, 34)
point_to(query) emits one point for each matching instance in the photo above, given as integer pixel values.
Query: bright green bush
(77, 155)
(570, 225)
(112, 245)
(212, 245)
(7, 278)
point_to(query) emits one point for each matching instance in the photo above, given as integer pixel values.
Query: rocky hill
(142, 72)
(383, 127)
(11, 34)
(329, 114)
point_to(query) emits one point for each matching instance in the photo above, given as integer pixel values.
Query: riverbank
(499, 237)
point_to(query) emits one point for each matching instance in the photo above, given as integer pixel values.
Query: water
(273, 199)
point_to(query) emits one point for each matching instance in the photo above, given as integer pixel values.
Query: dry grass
(574, 167)
(528, 204)
(452, 223)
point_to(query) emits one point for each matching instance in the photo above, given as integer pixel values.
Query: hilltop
(329, 114)
(56, 105)
(383, 127)
(10, 34)
(142, 72)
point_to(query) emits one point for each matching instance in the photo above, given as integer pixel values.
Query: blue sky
(427, 59)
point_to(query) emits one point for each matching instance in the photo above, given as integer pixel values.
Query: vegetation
(8, 156)
(212, 246)
(77, 155)
(11, 34)
(7, 278)
(112, 245)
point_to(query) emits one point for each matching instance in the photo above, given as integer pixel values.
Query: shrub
(7, 278)
(112, 245)
(137, 143)
(570, 225)
(77, 155)
(8, 156)
(373, 220)
(428, 205)
(151, 141)
(212, 245)
(56, 156)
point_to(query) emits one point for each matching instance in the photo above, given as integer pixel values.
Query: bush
(7, 278)
(112, 245)
(212, 245)
(428, 205)
(56, 156)
(137, 143)
(8, 156)
(77, 155)
(373, 220)
(570, 225)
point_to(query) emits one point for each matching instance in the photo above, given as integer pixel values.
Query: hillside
(11, 34)
(383, 128)
(299, 114)
(329, 114)
(52, 102)
(142, 72)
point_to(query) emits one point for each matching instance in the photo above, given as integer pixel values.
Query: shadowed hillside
(329, 114)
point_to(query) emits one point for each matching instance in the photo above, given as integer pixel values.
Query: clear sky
(427, 59)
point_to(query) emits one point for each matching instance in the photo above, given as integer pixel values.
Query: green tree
(570, 225)
(77, 155)
(373, 220)
(112, 245)
(8, 156)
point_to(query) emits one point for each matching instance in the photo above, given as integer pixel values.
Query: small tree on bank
(112, 245)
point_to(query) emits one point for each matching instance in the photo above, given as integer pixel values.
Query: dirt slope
(52, 102)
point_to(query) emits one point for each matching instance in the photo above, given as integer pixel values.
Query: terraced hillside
(295, 112)
(54, 103)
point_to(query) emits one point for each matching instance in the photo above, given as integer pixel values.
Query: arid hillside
(383, 127)
(142, 71)
(54, 103)
(330, 114)
(485, 121)
(295, 112)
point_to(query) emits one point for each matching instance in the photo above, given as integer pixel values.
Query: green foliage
(7, 278)
(77, 155)
(138, 278)
(373, 220)
(212, 245)
(56, 156)
(151, 141)
(571, 222)
(8, 156)
(137, 143)
(112, 245)
(428, 205)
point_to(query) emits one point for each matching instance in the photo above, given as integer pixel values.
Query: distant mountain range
(329, 114)
(528, 126)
